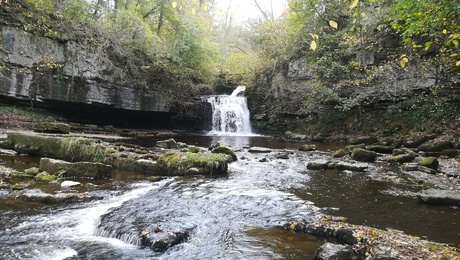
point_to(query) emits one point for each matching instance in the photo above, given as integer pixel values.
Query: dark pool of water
(358, 199)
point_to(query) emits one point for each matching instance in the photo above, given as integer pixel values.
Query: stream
(233, 217)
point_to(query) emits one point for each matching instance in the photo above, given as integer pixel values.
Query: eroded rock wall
(40, 69)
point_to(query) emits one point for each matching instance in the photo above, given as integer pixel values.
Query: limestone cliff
(87, 79)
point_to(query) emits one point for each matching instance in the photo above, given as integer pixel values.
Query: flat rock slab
(259, 150)
(440, 197)
(82, 170)
(37, 195)
(336, 165)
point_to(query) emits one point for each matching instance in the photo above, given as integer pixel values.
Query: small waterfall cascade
(230, 113)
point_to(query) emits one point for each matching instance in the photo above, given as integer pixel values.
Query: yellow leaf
(333, 24)
(458, 63)
(313, 45)
(193, 10)
(314, 36)
(455, 42)
(174, 5)
(402, 63)
(444, 31)
(354, 4)
(405, 59)
(363, 14)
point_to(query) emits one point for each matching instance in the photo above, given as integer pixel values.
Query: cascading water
(230, 114)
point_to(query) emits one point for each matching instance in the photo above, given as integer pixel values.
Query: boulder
(84, 170)
(417, 167)
(403, 158)
(330, 251)
(282, 156)
(53, 128)
(225, 150)
(380, 148)
(440, 197)
(178, 163)
(430, 162)
(343, 166)
(436, 146)
(363, 155)
(70, 184)
(160, 240)
(341, 153)
(307, 148)
(45, 177)
(167, 144)
(318, 165)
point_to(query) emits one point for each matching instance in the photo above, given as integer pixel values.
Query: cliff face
(86, 79)
(381, 99)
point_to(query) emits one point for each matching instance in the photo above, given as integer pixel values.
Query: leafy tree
(430, 27)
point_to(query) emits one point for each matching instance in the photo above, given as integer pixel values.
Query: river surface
(233, 217)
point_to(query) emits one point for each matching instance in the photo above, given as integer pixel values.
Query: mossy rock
(82, 170)
(45, 177)
(282, 156)
(288, 134)
(32, 171)
(341, 153)
(225, 150)
(53, 128)
(397, 152)
(403, 158)
(436, 146)
(177, 163)
(194, 149)
(363, 155)
(17, 186)
(363, 140)
(168, 144)
(307, 148)
(430, 162)
(380, 148)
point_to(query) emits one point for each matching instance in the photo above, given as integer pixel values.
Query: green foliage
(430, 26)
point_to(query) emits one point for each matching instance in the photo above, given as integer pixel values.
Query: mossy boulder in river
(225, 150)
(178, 163)
(307, 148)
(430, 162)
(363, 155)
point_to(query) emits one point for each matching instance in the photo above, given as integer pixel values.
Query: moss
(340, 153)
(32, 171)
(45, 177)
(307, 148)
(194, 149)
(288, 134)
(17, 186)
(403, 158)
(176, 163)
(225, 150)
(363, 155)
(430, 162)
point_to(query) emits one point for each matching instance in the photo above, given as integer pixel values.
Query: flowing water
(238, 216)
(233, 217)
(230, 114)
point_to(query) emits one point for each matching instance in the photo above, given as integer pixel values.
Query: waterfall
(230, 114)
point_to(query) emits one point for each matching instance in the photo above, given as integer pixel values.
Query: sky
(246, 9)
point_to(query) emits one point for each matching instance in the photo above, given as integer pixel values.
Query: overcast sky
(245, 9)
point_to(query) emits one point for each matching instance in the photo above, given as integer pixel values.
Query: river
(238, 216)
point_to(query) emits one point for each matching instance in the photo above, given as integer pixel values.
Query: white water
(230, 114)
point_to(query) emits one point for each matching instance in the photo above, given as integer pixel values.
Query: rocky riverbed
(426, 168)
